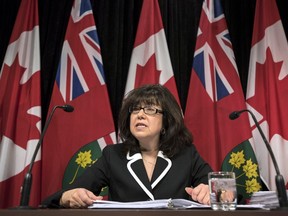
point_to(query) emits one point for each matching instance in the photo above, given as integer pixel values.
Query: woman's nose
(140, 114)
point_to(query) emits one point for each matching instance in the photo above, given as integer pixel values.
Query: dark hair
(176, 134)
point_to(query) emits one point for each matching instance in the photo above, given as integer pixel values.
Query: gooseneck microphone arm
(236, 114)
(27, 182)
(279, 180)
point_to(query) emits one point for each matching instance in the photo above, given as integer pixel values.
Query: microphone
(234, 115)
(67, 108)
(27, 182)
(279, 180)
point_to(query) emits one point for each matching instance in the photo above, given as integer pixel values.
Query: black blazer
(126, 177)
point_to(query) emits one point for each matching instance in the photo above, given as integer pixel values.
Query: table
(139, 212)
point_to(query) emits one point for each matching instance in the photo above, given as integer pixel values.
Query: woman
(157, 159)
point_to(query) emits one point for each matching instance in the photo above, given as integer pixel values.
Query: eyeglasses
(149, 110)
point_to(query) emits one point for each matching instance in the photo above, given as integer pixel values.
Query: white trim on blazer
(138, 156)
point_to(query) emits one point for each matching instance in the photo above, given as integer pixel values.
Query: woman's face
(146, 127)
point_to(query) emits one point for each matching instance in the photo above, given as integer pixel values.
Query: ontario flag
(215, 91)
(150, 61)
(267, 90)
(74, 140)
(20, 107)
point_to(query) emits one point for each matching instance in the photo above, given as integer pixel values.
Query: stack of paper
(268, 198)
(161, 203)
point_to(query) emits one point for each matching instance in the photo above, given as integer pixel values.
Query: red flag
(267, 89)
(150, 62)
(215, 90)
(20, 107)
(80, 82)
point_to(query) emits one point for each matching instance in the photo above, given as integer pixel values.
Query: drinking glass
(223, 193)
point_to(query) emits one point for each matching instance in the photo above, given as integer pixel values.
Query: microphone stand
(279, 180)
(27, 182)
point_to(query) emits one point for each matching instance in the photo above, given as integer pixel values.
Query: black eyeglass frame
(145, 108)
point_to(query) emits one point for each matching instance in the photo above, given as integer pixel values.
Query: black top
(127, 180)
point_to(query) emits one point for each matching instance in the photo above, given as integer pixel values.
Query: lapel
(136, 168)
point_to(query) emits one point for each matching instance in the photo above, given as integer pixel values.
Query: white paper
(251, 206)
(160, 203)
(267, 198)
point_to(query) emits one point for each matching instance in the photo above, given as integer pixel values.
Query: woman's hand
(226, 196)
(200, 193)
(78, 198)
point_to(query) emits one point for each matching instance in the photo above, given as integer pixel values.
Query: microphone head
(234, 115)
(67, 108)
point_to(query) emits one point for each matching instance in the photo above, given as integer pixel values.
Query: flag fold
(20, 107)
(74, 140)
(150, 61)
(267, 90)
(215, 91)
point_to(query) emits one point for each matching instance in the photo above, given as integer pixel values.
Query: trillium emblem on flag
(215, 91)
(85, 157)
(242, 161)
(80, 82)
